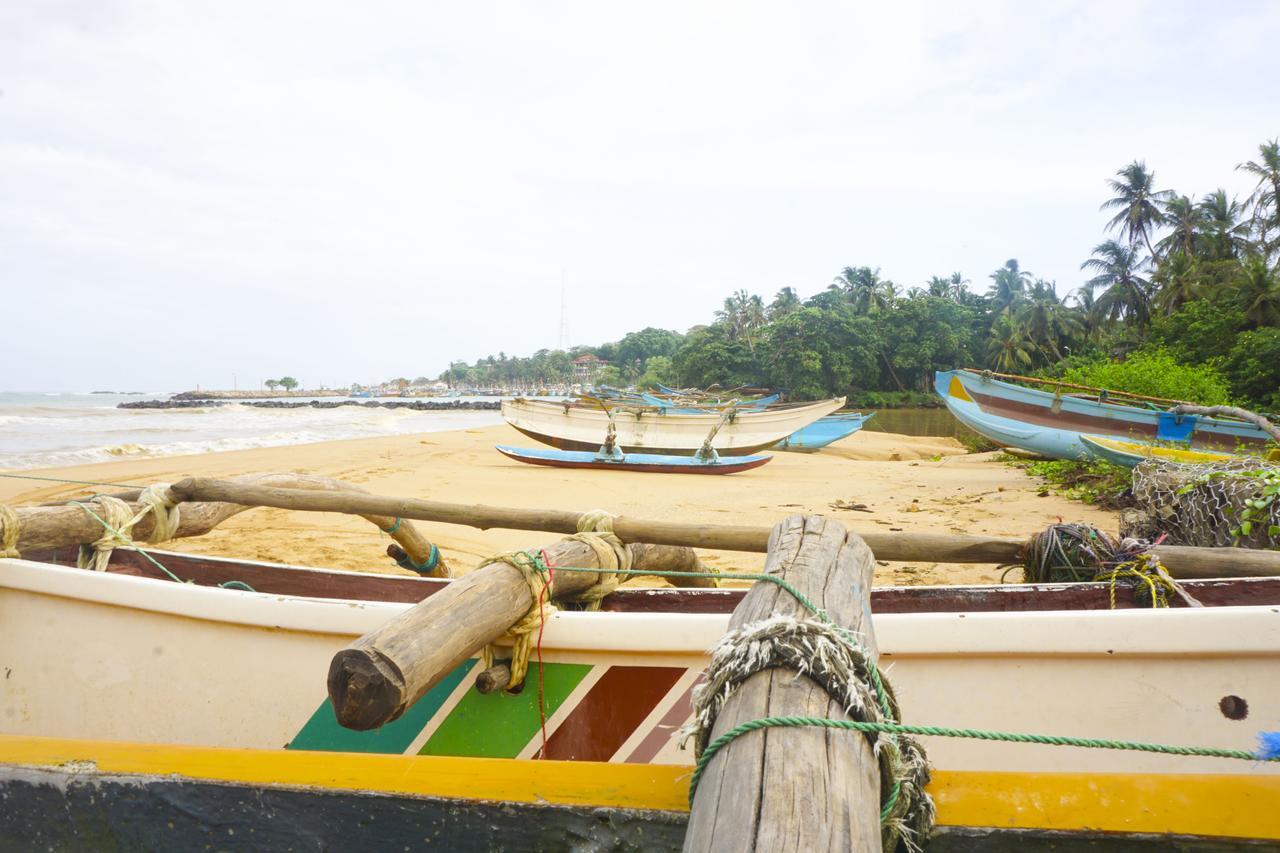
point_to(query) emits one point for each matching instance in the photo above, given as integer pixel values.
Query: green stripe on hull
(500, 725)
(323, 734)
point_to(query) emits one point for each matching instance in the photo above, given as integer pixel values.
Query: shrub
(1253, 366)
(1155, 373)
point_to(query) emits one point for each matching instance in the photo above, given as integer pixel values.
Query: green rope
(241, 585)
(974, 734)
(393, 528)
(426, 566)
(74, 482)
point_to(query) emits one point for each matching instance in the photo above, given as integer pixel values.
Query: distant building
(587, 367)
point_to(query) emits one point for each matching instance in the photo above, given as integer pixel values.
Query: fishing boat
(189, 708)
(1051, 424)
(824, 431)
(583, 426)
(651, 463)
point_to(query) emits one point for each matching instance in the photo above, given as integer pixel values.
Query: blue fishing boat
(824, 431)
(652, 463)
(1051, 424)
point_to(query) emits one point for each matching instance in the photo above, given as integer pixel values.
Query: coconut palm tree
(784, 302)
(1125, 291)
(1008, 347)
(864, 288)
(1265, 199)
(1009, 285)
(1138, 203)
(1225, 235)
(1047, 322)
(1186, 219)
(1258, 292)
(1178, 282)
(743, 315)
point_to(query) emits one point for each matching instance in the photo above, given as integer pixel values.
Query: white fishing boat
(641, 429)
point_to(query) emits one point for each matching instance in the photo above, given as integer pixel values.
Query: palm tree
(743, 315)
(1138, 202)
(1178, 281)
(1046, 321)
(1008, 347)
(1009, 285)
(1224, 233)
(785, 302)
(865, 289)
(1186, 218)
(1258, 291)
(1265, 199)
(1125, 291)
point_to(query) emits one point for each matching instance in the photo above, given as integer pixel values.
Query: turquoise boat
(824, 431)
(650, 463)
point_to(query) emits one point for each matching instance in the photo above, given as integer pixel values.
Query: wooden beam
(794, 788)
(1181, 561)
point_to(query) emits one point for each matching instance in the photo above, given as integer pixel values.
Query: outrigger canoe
(570, 426)
(1051, 423)
(824, 431)
(167, 715)
(1130, 453)
(644, 462)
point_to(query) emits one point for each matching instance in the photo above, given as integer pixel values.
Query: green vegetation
(1180, 299)
(1099, 483)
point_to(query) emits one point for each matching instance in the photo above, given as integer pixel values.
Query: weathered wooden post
(794, 788)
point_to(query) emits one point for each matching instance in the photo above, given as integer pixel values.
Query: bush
(1200, 331)
(1099, 483)
(1155, 373)
(1253, 366)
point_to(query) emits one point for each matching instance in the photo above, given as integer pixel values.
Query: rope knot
(832, 658)
(537, 574)
(10, 528)
(595, 529)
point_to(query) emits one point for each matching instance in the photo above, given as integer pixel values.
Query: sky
(202, 194)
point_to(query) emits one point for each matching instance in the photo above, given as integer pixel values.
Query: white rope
(119, 520)
(10, 528)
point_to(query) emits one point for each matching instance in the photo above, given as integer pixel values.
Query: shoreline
(412, 405)
(903, 483)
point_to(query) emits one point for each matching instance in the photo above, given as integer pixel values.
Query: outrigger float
(169, 700)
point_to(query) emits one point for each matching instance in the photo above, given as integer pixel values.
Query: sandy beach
(905, 483)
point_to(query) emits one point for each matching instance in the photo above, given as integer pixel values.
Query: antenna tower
(564, 315)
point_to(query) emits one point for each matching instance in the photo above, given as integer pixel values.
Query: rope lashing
(831, 657)
(533, 568)
(118, 521)
(10, 529)
(426, 567)
(391, 531)
(1073, 553)
(595, 529)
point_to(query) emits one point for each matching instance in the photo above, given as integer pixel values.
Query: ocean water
(49, 429)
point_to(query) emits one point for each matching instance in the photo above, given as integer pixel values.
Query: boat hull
(1061, 419)
(1129, 453)
(569, 427)
(650, 463)
(823, 432)
(181, 687)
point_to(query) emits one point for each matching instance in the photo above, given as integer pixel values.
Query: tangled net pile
(1221, 504)
(1075, 553)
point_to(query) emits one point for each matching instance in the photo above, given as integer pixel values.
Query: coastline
(908, 483)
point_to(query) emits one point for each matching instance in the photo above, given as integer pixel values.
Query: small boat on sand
(1051, 424)
(642, 429)
(652, 463)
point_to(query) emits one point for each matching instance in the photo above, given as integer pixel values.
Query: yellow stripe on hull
(1221, 805)
(1151, 451)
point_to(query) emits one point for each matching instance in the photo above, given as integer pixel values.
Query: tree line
(1182, 280)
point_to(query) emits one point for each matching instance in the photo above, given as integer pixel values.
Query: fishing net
(1219, 504)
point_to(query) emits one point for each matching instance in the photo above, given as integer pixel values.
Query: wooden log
(493, 679)
(52, 526)
(1181, 561)
(376, 678)
(794, 788)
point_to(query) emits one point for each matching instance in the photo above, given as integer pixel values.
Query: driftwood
(1230, 412)
(795, 788)
(1181, 561)
(58, 526)
(373, 680)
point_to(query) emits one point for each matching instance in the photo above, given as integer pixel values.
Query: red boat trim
(567, 444)
(611, 711)
(666, 729)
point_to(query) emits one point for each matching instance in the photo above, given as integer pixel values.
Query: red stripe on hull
(610, 712)
(666, 729)
(719, 468)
